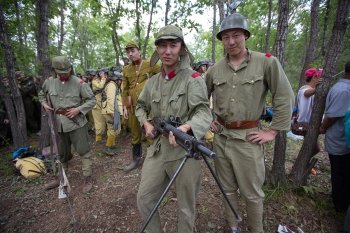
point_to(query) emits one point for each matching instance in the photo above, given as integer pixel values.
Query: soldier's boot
(53, 183)
(136, 158)
(98, 138)
(56, 181)
(87, 184)
(110, 144)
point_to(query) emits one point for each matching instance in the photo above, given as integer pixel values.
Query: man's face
(63, 76)
(203, 68)
(133, 54)
(234, 41)
(169, 51)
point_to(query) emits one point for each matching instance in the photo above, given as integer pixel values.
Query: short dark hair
(308, 78)
(347, 67)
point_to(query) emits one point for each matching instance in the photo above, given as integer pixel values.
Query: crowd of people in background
(111, 101)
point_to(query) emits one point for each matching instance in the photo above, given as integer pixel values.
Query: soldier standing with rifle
(177, 90)
(71, 99)
(135, 76)
(239, 84)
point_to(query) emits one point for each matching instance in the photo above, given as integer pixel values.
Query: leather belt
(61, 111)
(238, 124)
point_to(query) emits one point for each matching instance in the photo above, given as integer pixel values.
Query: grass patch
(7, 167)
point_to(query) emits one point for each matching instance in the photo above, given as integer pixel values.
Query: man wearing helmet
(71, 98)
(239, 84)
(177, 90)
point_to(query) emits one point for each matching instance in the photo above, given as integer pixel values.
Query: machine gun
(194, 149)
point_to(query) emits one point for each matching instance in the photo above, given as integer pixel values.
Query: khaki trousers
(156, 174)
(240, 165)
(100, 123)
(79, 139)
(135, 128)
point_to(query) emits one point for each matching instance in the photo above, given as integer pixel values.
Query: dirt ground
(111, 205)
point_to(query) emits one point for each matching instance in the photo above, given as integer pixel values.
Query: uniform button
(164, 94)
(232, 100)
(235, 73)
(233, 86)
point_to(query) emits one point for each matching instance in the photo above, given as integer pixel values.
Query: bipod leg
(238, 218)
(178, 170)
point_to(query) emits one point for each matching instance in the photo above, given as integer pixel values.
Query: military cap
(169, 32)
(61, 65)
(131, 44)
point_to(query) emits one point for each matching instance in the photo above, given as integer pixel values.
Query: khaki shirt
(73, 93)
(97, 85)
(135, 77)
(183, 96)
(110, 92)
(240, 95)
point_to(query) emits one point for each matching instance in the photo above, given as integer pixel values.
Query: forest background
(93, 33)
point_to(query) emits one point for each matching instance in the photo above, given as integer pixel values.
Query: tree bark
(153, 5)
(311, 50)
(278, 166)
(268, 29)
(44, 59)
(221, 6)
(213, 37)
(13, 100)
(62, 32)
(325, 25)
(300, 170)
(137, 26)
(167, 9)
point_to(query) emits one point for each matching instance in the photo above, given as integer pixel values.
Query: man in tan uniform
(135, 76)
(181, 92)
(71, 99)
(239, 84)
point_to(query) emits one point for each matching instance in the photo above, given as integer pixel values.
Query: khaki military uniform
(99, 121)
(73, 93)
(238, 96)
(185, 97)
(107, 111)
(134, 79)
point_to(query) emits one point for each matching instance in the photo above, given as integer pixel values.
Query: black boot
(136, 158)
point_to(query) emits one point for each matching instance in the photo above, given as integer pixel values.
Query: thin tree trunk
(137, 26)
(278, 166)
(19, 24)
(268, 29)
(167, 9)
(213, 37)
(302, 165)
(325, 25)
(221, 6)
(153, 5)
(14, 106)
(62, 33)
(311, 50)
(45, 63)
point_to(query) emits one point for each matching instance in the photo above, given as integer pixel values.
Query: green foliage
(6, 165)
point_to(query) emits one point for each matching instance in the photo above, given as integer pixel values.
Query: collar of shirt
(244, 63)
(168, 76)
(138, 62)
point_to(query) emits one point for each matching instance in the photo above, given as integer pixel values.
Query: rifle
(194, 149)
(64, 187)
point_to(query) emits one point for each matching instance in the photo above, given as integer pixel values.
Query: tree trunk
(19, 24)
(14, 106)
(167, 9)
(268, 29)
(325, 25)
(213, 37)
(221, 6)
(62, 33)
(311, 50)
(137, 26)
(44, 59)
(300, 171)
(278, 168)
(153, 5)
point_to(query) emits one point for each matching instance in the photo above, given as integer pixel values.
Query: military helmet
(115, 75)
(61, 64)
(234, 21)
(169, 32)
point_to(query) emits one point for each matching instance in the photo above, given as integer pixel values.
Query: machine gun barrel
(186, 141)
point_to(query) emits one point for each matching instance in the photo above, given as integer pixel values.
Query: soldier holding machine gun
(177, 90)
